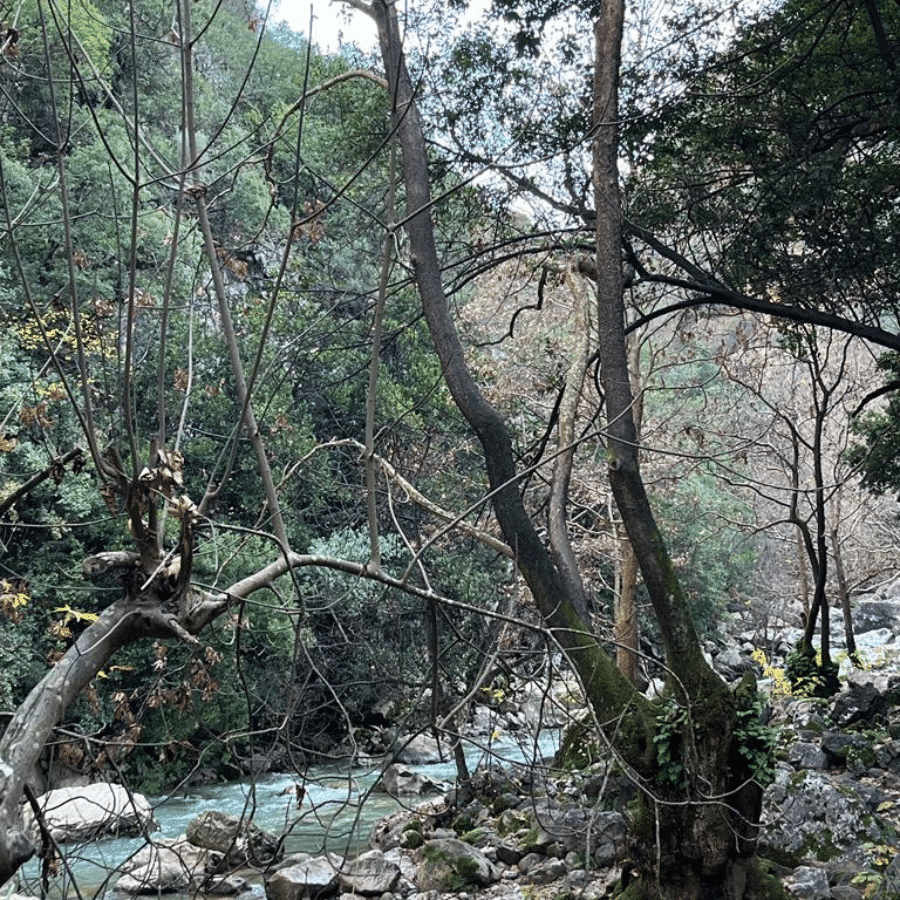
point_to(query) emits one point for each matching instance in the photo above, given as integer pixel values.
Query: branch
(445, 515)
(560, 543)
(54, 470)
(714, 292)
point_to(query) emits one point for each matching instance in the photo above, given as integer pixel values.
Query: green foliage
(668, 738)
(714, 557)
(877, 454)
(794, 184)
(809, 676)
(756, 741)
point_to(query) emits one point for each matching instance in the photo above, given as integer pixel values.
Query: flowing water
(337, 813)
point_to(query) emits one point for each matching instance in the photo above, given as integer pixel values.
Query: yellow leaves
(53, 391)
(781, 686)
(13, 598)
(76, 614)
(7, 444)
(60, 628)
(181, 380)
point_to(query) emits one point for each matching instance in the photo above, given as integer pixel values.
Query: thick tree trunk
(702, 845)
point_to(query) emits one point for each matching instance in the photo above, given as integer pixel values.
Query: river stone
(92, 811)
(316, 877)
(167, 865)
(397, 779)
(418, 750)
(448, 864)
(370, 874)
(238, 841)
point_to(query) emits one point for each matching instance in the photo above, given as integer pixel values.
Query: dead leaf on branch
(30, 415)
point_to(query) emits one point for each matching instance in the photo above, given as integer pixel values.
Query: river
(337, 812)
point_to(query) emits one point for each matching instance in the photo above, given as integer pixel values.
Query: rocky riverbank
(829, 827)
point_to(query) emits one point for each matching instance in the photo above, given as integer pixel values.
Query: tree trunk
(695, 847)
(627, 634)
(610, 694)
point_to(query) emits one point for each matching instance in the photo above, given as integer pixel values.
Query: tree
(118, 312)
(713, 850)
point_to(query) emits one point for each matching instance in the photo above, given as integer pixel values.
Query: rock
(571, 826)
(388, 832)
(802, 755)
(873, 613)
(417, 750)
(398, 780)
(225, 886)
(858, 703)
(873, 640)
(316, 877)
(845, 892)
(889, 889)
(608, 838)
(92, 811)
(731, 664)
(448, 864)
(808, 883)
(807, 817)
(547, 871)
(841, 746)
(370, 874)
(887, 756)
(507, 854)
(161, 866)
(237, 841)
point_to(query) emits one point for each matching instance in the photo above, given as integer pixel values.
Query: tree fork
(610, 694)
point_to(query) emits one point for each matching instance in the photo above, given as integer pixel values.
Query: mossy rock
(450, 865)
(412, 840)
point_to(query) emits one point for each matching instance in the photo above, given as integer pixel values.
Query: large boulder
(447, 864)
(369, 875)
(858, 703)
(92, 811)
(873, 613)
(418, 750)
(164, 866)
(237, 841)
(307, 880)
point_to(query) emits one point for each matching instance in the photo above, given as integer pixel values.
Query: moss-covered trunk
(695, 829)
(694, 833)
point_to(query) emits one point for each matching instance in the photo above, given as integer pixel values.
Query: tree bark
(611, 696)
(696, 847)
